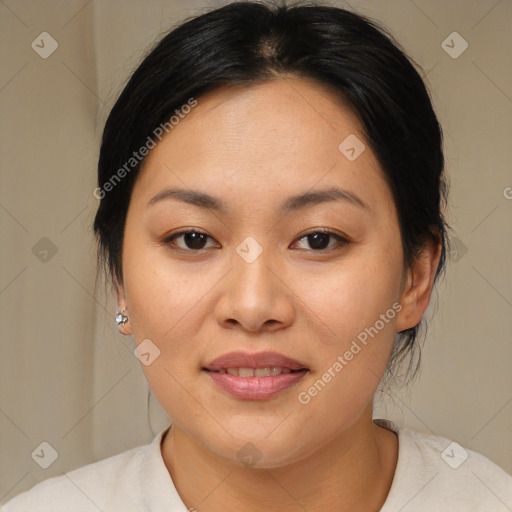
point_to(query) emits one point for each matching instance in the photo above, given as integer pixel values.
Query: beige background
(68, 378)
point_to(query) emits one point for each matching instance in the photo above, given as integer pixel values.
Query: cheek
(358, 303)
(165, 301)
(161, 294)
(352, 296)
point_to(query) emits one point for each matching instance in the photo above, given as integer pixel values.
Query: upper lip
(253, 360)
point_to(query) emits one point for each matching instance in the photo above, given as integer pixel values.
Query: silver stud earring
(121, 318)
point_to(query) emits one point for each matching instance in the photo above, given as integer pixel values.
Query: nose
(255, 297)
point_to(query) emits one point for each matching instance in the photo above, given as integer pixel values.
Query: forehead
(262, 142)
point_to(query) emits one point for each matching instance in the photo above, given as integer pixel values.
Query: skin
(253, 147)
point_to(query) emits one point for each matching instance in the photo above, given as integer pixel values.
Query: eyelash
(341, 241)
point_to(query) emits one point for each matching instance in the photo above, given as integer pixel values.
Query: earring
(121, 318)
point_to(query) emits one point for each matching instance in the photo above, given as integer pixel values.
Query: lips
(255, 376)
(258, 360)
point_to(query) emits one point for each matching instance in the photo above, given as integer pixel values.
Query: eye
(319, 239)
(193, 240)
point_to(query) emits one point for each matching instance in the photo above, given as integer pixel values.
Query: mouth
(268, 371)
(255, 376)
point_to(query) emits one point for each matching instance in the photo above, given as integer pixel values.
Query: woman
(271, 186)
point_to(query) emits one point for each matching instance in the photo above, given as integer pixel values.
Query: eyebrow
(293, 203)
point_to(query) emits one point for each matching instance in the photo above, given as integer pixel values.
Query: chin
(264, 448)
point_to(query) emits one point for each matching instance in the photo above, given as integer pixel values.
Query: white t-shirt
(432, 475)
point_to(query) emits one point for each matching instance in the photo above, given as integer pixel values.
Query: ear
(418, 286)
(125, 328)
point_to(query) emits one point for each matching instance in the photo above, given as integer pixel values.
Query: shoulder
(435, 473)
(89, 488)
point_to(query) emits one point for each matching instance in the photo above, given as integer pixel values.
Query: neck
(352, 472)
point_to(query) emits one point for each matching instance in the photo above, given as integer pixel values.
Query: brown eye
(319, 240)
(190, 240)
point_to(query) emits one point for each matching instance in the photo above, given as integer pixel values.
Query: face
(307, 291)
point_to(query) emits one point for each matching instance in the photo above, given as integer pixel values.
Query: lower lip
(256, 388)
